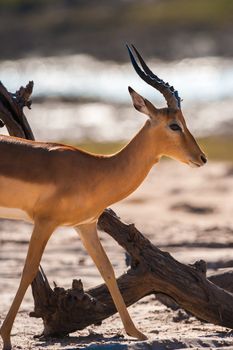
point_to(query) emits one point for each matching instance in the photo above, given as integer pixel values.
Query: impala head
(167, 125)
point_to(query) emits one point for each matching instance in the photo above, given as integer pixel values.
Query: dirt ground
(188, 212)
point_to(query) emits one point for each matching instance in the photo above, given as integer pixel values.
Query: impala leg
(89, 236)
(40, 235)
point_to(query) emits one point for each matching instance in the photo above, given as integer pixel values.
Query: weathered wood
(223, 279)
(11, 111)
(152, 270)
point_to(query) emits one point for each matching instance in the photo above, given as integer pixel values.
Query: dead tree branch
(153, 271)
(11, 111)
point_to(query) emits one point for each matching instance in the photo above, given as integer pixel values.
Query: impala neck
(130, 166)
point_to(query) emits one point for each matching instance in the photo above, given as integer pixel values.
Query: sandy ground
(185, 211)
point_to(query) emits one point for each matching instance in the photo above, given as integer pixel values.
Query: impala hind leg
(89, 236)
(40, 235)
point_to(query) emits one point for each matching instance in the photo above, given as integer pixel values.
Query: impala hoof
(142, 336)
(137, 334)
(7, 347)
(6, 344)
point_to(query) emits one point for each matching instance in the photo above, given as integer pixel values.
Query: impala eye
(175, 127)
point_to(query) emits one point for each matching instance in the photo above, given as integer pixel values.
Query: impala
(54, 185)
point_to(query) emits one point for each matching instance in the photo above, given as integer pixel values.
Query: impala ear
(139, 102)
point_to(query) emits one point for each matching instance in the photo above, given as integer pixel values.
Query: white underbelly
(14, 213)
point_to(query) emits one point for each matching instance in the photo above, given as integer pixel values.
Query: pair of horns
(169, 93)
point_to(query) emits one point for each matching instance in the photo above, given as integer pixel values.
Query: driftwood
(11, 111)
(152, 270)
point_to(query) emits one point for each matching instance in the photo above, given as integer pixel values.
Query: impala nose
(204, 159)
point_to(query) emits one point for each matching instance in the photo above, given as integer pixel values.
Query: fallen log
(152, 270)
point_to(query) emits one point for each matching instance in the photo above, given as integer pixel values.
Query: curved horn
(169, 93)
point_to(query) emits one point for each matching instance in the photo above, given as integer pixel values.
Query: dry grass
(216, 147)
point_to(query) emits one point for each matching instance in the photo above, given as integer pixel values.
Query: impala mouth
(194, 164)
(198, 162)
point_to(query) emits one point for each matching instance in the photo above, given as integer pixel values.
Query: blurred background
(74, 51)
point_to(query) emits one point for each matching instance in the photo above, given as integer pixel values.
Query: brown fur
(62, 185)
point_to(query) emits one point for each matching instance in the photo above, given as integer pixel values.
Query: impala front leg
(40, 235)
(89, 236)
